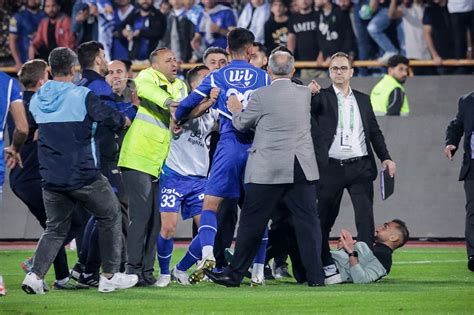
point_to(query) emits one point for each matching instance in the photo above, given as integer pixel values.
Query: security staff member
(388, 96)
(144, 149)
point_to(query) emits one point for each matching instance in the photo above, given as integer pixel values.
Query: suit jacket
(324, 118)
(280, 113)
(461, 125)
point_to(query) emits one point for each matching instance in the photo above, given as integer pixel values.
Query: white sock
(257, 270)
(207, 251)
(63, 281)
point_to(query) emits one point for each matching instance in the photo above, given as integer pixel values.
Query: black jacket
(324, 117)
(153, 32)
(461, 125)
(186, 34)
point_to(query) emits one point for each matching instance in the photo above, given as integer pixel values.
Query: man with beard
(388, 96)
(54, 31)
(22, 27)
(92, 59)
(357, 263)
(143, 29)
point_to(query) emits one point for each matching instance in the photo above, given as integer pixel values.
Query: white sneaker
(163, 281)
(118, 281)
(32, 285)
(335, 278)
(257, 281)
(179, 276)
(386, 56)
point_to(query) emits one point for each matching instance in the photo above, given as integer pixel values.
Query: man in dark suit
(345, 131)
(280, 113)
(461, 125)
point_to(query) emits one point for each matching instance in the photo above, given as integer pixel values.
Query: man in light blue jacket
(358, 263)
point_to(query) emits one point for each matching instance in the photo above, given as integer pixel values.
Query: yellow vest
(381, 92)
(147, 142)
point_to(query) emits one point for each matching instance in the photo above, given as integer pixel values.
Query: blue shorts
(180, 192)
(228, 167)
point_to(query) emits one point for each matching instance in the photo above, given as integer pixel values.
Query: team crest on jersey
(241, 78)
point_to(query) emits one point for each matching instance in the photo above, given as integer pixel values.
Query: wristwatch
(354, 254)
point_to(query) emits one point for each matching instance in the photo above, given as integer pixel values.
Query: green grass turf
(423, 280)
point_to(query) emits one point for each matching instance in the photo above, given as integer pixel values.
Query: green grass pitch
(422, 281)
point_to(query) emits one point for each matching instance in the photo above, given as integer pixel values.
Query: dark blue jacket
(67, 116)
(107, 138)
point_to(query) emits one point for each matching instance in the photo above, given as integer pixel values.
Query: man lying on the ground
(358, 263)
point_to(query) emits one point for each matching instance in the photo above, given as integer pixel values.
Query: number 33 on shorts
(168, 201)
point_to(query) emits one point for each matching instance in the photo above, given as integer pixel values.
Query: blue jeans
(377, 27)
(364, 42)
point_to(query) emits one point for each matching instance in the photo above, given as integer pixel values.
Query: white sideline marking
(428, 262)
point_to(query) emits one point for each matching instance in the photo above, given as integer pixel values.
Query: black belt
(347, 161)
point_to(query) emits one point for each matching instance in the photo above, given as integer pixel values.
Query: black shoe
(267, 272)
(149, 278)
(470, 263)
(316, 284)
(77, 270)
(221, 278)
(91, 280)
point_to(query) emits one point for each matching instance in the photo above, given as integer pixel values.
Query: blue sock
(262, 250)
(207, 228)
(164, 250)
(192, 255)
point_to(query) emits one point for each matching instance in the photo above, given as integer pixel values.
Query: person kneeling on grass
(357, 263)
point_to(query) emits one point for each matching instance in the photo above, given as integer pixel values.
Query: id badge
(346, 144)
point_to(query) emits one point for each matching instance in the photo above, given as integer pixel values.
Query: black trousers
(31, 195)
(260, 202)
(469, 229)
(278, 236)
(461, 23)
(226, 223)
(356, 178)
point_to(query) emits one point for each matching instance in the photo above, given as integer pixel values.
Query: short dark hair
(239, 38)
(214, 50)
(62, 60)
(87, 52)
(31, 72)
(194, 72)
(396, 60)
(402, 227)
(261, 48)
(281, 48)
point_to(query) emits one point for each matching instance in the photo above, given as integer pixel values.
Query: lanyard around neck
(340, 105)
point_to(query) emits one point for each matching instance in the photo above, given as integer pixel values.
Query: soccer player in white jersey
(182, 184)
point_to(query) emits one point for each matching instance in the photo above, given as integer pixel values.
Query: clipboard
(387, 184)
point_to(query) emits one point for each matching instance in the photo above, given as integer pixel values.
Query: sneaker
(163, 281)
(282, 272)
(77, 270)
(32, 285)
(267, 272)
(386, 56)
(91, 280)
(334, 278)
(470, 263)
(179, 276)
(198, 275)
(3, 290)
(118, 281)
(71, 284)
(257, 281)
(149, 278)
(27, 264)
